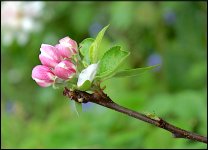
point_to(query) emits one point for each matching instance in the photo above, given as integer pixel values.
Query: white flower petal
(87, 74)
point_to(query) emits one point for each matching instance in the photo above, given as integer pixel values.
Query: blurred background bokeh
(173, 34)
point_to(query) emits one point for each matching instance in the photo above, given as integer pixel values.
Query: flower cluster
(57, 62)
(82, 68)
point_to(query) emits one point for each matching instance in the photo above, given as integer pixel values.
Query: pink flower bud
(69, 43)
(43, 75)
(49, 56)
(65, 69)
(64, 52)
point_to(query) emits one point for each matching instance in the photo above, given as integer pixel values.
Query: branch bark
(100, 98)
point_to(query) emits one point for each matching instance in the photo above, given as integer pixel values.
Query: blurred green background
(173, 34)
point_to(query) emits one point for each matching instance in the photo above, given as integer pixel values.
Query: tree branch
(99, 97)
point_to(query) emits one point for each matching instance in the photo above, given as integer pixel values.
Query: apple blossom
(63, 51)
(43, 75)
(70, 44)
(49, 55)
(65, 69)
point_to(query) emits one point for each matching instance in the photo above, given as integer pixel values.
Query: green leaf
(94, 48)
(85, 46)
(84, 50)
(133, 72)
(85, 86)
(110, 61)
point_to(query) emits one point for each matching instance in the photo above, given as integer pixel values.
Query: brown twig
(99, 97)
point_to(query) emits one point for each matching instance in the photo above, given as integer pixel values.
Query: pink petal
(49, 55)
(43, 83)
(65, 52)
(47, 61)
(65, 69)
(42, 73)
(71, 44)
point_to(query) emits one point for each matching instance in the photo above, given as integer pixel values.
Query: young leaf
(94, 48)
(133, 72)
(85, 46)
(85, 86)
(84, 49)
(110, 61)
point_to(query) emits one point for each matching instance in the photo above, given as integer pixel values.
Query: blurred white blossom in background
(19, 19)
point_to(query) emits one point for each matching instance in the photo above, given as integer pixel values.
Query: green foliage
(94, 48)
(133, 72)
(84, 50)
(109, 63)
(111, 60)
(85, 86)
